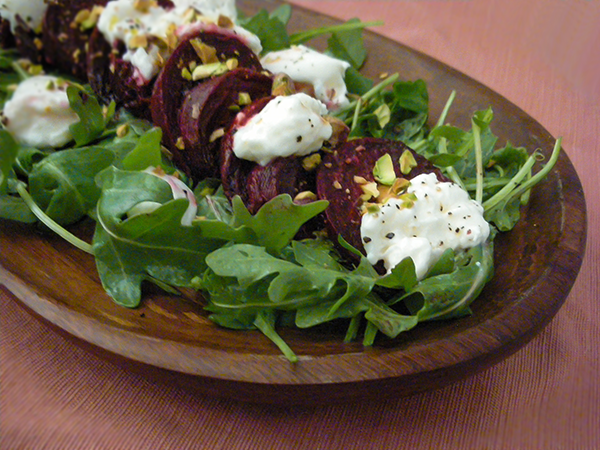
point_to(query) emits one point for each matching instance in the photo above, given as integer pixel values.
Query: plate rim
(571, 256)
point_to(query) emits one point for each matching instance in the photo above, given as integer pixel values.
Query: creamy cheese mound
(442, 217)
(286, 126)
(38, 114)
(305, 65)
(30, 11)
(125, 21)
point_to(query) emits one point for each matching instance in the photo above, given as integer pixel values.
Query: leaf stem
(451, 171)
(19, 70)
(304, 36)
(267, 329)
(478, 162)
(444, 113)
(46, 220)
(513, 189)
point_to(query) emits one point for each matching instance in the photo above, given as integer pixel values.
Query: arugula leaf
(348, 45)
(270, 29)
(146, 153)
(91, 118)
(14, 208)
(244, 281)
(8, 155)
(129, 250)
(277, 222)
(449, 295)
(62, 184)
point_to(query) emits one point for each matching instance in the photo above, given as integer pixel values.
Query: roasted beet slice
(112, 78)
(65, 42)
(28, 42)
(257, 184)
(7, 39)
(211, 107)
(336, 183)
(171, 87)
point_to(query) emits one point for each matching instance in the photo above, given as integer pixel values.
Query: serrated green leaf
(348, 45)
(128, 250)
(449, 295)
(146, 153)
(91, 119)
(8, 155)
(63, 185)
(278, 221)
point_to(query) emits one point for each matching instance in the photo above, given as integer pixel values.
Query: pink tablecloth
(543, 55)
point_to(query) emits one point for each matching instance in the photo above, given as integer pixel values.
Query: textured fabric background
(543, 55)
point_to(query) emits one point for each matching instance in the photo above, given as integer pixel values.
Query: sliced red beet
(171, 87)
(209, 107)
(256, 184)
(112, 78)
(7, 39)
(65, 43)
(28, 42)
(336, 183)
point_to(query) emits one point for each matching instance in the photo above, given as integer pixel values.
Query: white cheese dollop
(305, 65)
(31, 12)
(122, 21)
(442, 217)
(286, 126)
(38, 114)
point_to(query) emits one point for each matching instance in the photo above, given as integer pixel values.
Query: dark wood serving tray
(170, 337)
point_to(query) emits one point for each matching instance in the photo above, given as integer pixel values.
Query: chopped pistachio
(206, 53)
(282, 85)
(180, 144)
(311, 162)
(232, 63)
(35, 69)
(360, 180)
(339, 130)
(208, 70)
(171, 36)
(138, 41)
(244, 98)
(305, 195)
(144, 5)
(371, 208)
(225, 22)
(185, 73)
(122, 130)
(195, 111)
(384, 170)
(370, 191)
(218, 133)
(383, 115)
(337, 185)
(399, 186)
(407, 162)
(81, 16)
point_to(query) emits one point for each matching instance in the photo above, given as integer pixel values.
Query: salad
(215, 151)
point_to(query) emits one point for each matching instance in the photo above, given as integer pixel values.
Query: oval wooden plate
(170, 337)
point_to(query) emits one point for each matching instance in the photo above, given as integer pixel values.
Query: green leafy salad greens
(251, 271)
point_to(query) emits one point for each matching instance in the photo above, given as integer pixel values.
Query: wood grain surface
(169, 337)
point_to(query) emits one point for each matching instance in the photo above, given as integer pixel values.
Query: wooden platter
(169, 337)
